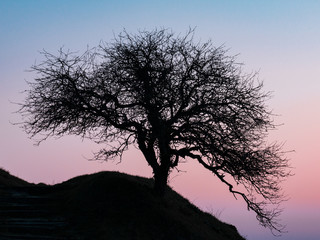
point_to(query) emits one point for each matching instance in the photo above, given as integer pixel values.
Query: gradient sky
(280, 39)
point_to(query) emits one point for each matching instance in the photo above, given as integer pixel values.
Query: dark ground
(105, 205)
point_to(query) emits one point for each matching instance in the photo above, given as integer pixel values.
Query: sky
(279, 39)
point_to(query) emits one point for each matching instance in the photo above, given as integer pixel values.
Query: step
(32, 226)
(16, 197)
(23, 213)
(14, 236)
(33, 222)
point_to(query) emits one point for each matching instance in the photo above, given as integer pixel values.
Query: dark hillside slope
(105, 205)
(7, 180)
(111, 205)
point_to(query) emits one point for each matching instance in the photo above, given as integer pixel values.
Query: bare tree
(173, 99)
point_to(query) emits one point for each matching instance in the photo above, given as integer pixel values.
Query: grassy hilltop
(112, 205)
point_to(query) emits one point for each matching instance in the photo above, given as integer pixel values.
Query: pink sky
(281, 39)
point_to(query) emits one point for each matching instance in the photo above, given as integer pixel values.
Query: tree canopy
(173, 99)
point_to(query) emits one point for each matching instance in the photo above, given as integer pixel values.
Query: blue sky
(280, 39)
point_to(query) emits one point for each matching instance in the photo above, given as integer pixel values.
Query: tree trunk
(160, 181)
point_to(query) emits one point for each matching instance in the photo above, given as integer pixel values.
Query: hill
(7, 180)
(112, 205)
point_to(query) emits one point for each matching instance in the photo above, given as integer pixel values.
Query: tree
(172, 98)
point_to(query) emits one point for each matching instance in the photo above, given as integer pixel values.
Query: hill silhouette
(113, 205)
(7, 180)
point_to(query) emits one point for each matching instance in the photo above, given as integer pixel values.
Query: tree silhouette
(172, 98)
